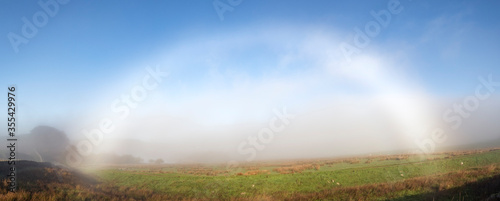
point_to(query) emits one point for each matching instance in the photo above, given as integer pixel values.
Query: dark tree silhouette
(43, 143)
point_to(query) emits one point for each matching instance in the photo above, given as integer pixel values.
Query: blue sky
(95, 39)
(264, 54)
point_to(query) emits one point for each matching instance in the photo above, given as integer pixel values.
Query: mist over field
(371, 105)
(327, 85)
(322, 133)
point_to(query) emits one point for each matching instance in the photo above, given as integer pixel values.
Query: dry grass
(296, 168)
(253, 172)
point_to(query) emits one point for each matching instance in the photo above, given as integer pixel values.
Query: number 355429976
(11, 111)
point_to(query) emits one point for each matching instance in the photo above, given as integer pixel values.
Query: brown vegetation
(461, 184)
(253, 172)
(296, 168)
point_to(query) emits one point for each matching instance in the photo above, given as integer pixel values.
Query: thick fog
(206, 109)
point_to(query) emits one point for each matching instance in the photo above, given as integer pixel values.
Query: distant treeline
(112, 159)
(47, 144)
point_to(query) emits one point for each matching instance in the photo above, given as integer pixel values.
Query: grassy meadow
(460, 175)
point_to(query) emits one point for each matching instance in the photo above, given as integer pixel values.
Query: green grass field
(459, 175)
(409, 177)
